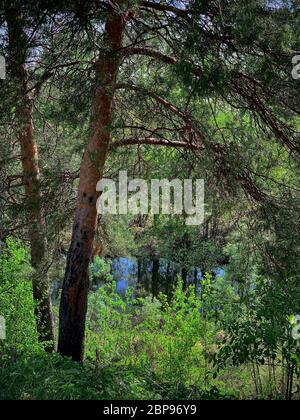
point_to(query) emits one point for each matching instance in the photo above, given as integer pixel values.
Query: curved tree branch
(166, 8)
(150, 52)
(154, 141)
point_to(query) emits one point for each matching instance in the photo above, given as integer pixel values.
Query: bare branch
(166, 8)
(154, 141)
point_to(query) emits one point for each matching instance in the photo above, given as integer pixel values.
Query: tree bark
(31, 175)
(73, 304)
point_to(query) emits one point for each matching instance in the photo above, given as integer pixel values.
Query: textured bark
(73, 304)
(31, 176)
(36, 221)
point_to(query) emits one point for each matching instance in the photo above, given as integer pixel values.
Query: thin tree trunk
(139, 273)
(184, 276)
(31, 177)
(73, 304)
(155, 276)
(146, 280)
(196, 280)
(168, 282)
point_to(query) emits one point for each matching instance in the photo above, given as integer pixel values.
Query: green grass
(50, 376)
(42, 376)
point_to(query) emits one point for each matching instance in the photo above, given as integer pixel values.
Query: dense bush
(16, 302)
(168, 340)
(50, 376)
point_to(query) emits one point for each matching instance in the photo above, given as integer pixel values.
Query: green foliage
(166, 339)
(231, 93)
(135, 349)
(192, 346)
(16, 302)
(52, 377)
(100, 270)
(257, 331)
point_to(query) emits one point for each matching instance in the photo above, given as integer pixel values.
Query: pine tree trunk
(31, 176)
(36, 221)
(73, 304)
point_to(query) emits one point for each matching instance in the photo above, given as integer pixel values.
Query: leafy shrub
(100, 270)
(257, 332)
(16, 301)
(168, 340)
